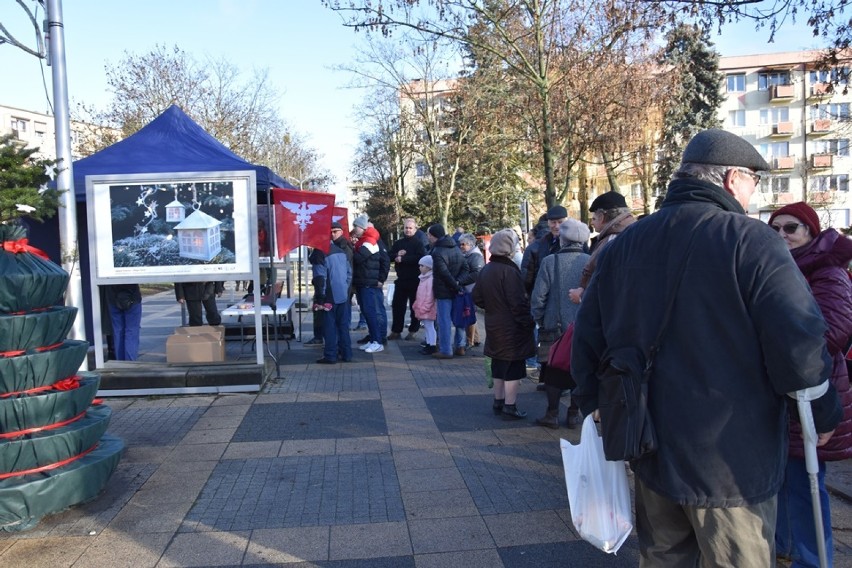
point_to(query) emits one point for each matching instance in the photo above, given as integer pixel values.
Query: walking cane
(809, 436)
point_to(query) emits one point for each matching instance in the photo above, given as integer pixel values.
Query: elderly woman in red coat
(509, 325)
(822, 256)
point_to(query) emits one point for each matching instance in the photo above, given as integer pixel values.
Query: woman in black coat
(509, 326)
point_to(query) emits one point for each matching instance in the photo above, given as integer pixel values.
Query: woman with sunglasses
(822, 256)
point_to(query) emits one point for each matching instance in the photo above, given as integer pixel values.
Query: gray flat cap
(721, 148)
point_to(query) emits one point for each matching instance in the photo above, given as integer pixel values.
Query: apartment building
(38, 130)
(798, 118)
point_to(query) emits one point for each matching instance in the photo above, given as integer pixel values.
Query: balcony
(820, 91)
(820, 161)
(784, 198)
(781, 92)
(784, 163)
(782, 130)
(820, 126)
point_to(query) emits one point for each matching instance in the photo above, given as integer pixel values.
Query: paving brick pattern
(312, 420)
(154, 426)
(298, 492)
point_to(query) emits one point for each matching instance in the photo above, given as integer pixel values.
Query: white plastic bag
(597, 491)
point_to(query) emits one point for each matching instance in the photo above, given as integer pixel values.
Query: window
(736, 82)
(766, 80)
(774, 115)
(775, 150)
(19, 125)
(839, 147)
(837, 75)
(40, 129)
(779, 184)
(839, 182)
(836, 111)
(736, 118)
(421, 169)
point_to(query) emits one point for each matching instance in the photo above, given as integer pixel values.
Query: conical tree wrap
(51, 446)
(44, 409)
(35, 329)
(53, 450)
(37, 368)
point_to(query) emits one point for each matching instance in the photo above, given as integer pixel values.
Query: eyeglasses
(788, 228)
(754, 176)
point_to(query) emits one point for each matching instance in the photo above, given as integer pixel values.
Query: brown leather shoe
(394, 335)
(459, 352)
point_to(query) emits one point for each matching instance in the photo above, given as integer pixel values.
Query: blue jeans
(795, 534)
(336, 332)
(445, 326)
(125, 331)
(371, 298)
(382, 315)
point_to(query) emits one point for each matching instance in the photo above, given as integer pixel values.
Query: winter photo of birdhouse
(173, 224)
(198, 236)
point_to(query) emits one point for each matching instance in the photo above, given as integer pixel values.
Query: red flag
(302, 218)
(341, 215)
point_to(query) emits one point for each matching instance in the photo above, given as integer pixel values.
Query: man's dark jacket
(408, 269)
(744, 331)
(535, 253)
(447, 268)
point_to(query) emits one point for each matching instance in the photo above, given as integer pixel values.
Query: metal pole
(65, 175)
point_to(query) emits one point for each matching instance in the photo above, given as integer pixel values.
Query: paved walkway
(392, 460)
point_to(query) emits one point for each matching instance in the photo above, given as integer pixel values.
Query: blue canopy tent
(172, 142)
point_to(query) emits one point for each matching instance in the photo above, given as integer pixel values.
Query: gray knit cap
(721, 148)
(503, 243)
(361, 221)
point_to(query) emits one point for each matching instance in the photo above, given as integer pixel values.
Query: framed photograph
(172, 227)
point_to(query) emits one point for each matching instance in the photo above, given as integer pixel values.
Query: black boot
(511, 412)
(549, 420)
(498, 405)
(551, 417)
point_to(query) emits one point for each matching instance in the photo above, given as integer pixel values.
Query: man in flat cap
(744, 330)
(610, 216)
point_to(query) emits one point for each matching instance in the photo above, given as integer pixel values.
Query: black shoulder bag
(626, 425)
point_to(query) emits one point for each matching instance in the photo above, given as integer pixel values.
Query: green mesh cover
(45, 448)
(24, 412)
(35, 369)
(26, 499)
(35, 329)
(28, 282)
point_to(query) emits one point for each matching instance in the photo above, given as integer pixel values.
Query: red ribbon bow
(21, 245)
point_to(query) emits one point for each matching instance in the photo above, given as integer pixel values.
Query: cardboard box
(195, 330)
(195, 348)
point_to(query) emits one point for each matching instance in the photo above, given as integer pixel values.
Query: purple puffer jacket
(823, 261)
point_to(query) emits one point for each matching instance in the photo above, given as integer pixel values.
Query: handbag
(623, 376)
(559, 356)
(464, 312)
(598, 491)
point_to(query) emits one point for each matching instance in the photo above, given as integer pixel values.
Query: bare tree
(239, 112)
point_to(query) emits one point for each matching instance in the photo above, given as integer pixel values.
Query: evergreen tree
(23, 183)
(695, 100)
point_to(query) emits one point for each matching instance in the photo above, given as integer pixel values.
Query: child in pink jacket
(425, 308)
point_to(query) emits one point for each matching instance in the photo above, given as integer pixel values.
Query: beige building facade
(798, 118)
(38, 130)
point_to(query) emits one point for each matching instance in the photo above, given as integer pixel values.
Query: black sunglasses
(788, 228)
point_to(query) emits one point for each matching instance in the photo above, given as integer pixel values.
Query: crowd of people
(756, 311)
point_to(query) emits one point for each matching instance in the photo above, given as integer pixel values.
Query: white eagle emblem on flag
(303, 211)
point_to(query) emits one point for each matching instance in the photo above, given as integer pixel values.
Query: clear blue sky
(299, 41)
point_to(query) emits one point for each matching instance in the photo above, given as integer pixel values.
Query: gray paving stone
(423, 459)
(158, 426)
(449, 535)
(373, 540)
(279, 546)
(572, 554)
(205, 549)
(111, 548)
(489, 558)
(535, 527)
(298, 491)
(438, 504)
(312, 420)
(465, 413)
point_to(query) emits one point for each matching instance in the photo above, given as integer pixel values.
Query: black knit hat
(721, 148)
(437, 231)
(608, 200)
